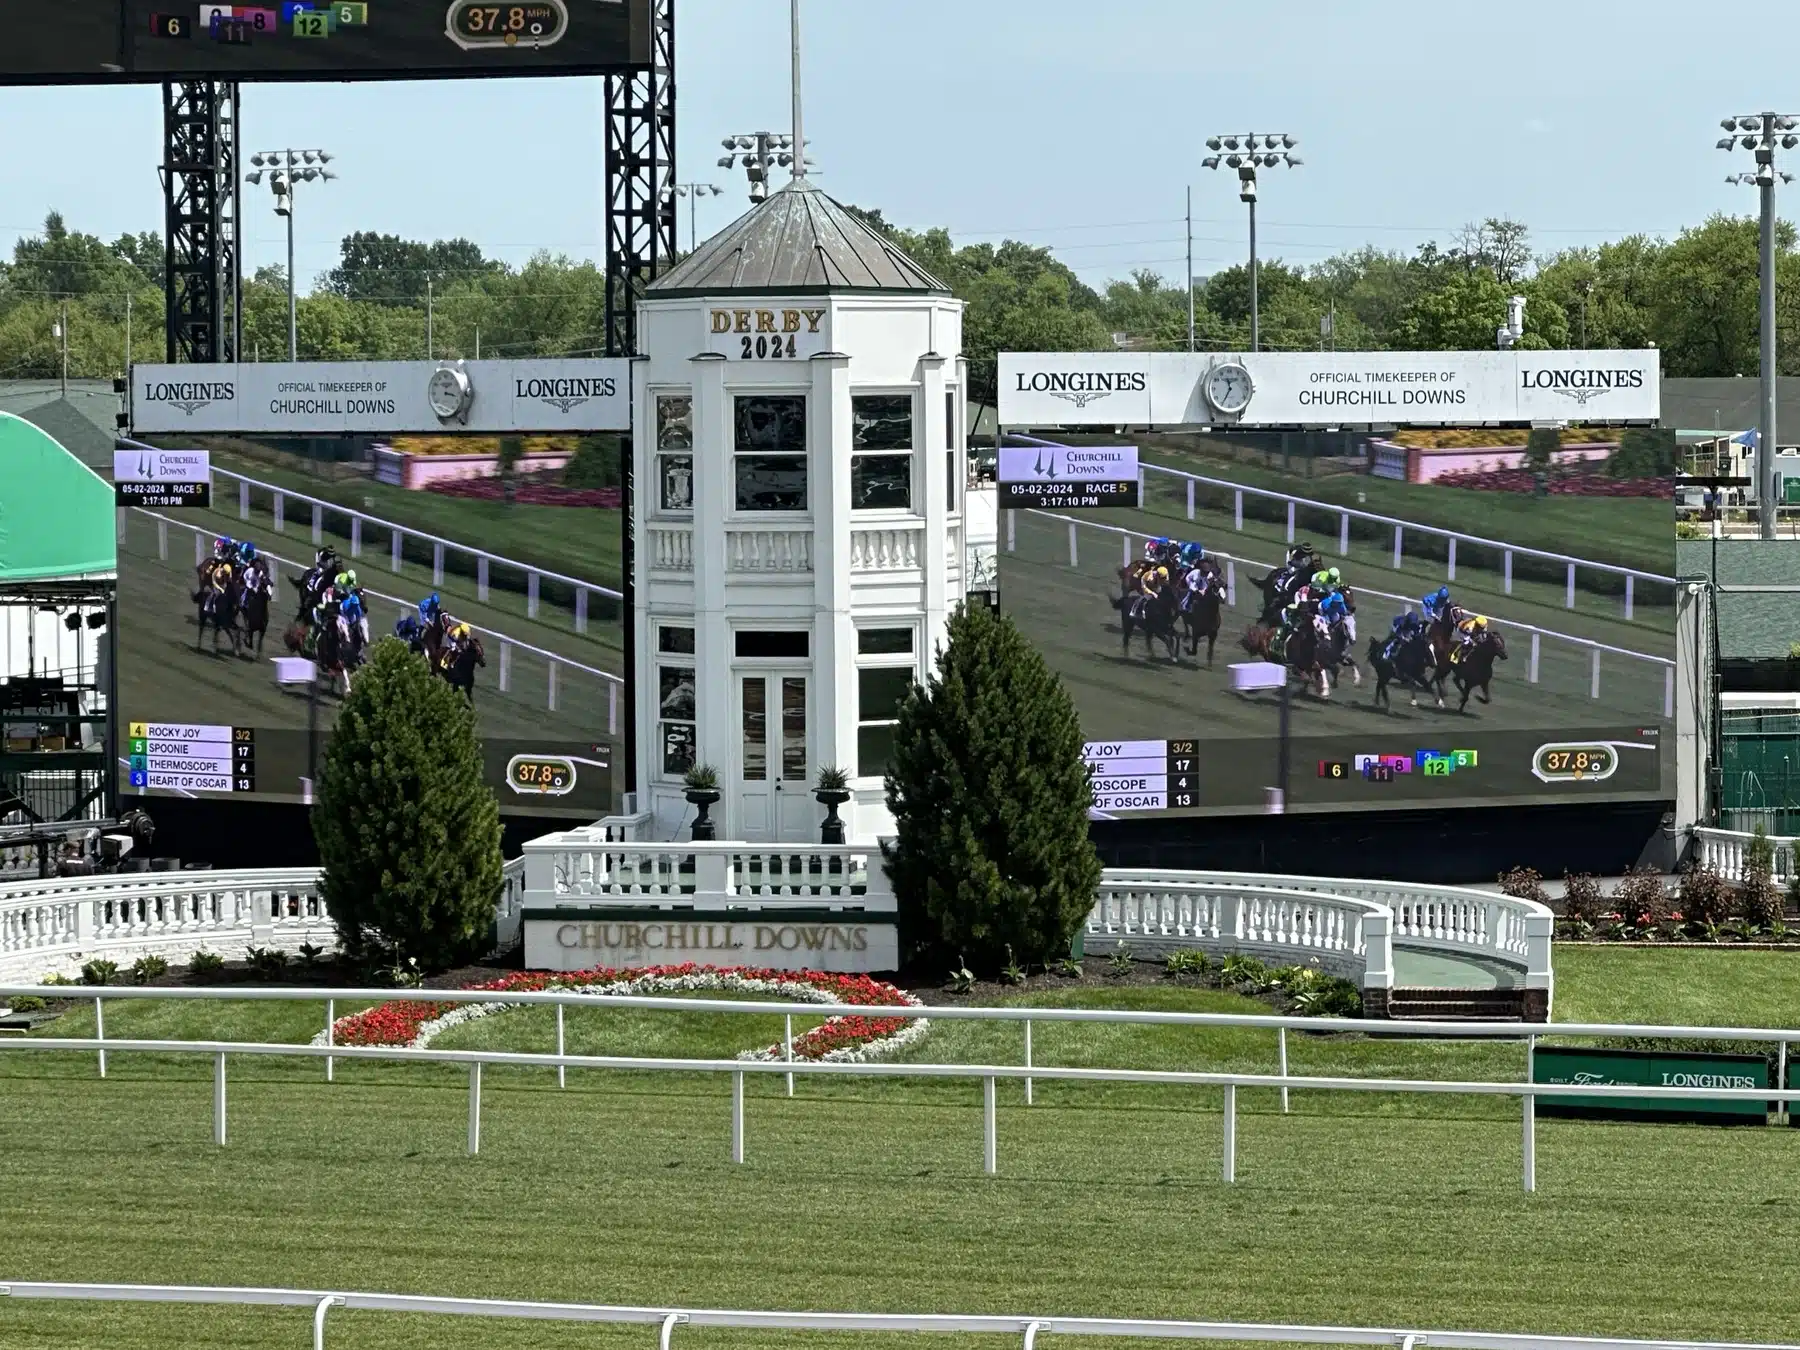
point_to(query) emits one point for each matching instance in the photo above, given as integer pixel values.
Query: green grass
(1686, 986)
(865, 1195)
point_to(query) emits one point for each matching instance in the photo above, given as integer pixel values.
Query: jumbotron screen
(1543, 672)
(235, 658)
(104, 41)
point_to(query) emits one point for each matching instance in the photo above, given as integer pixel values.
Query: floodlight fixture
(1260, 150)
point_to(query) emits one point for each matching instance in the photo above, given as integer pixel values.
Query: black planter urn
(831, 829)
(702, 799)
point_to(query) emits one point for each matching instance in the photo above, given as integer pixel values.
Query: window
(881, 443)
(675, 641)
(880, 690)
(765, 643)
(884, 641)
(950, 474)
(769, 438)
(675, 717)
(674, 452)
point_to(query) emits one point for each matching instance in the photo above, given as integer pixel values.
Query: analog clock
(449, 393)
(1228, 388)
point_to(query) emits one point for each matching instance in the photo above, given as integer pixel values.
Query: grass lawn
(1685, 986)
(869, 1195)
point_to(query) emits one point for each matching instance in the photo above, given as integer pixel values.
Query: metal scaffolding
(200, 221)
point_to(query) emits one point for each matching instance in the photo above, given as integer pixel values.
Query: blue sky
(1066, 122)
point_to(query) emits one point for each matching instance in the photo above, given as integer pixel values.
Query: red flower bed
(1560, 485)
(528, 493)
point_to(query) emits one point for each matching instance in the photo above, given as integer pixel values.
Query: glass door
(774, 766)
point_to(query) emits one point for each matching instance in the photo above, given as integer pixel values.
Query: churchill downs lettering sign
(779, 333)
(772, 942)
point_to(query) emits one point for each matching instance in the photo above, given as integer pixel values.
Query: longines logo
(1581, 384)
(190, 395)
(568, 392)
(1081, 387)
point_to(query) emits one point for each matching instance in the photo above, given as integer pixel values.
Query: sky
(1069, 123)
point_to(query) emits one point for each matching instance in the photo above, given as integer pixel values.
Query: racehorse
(340, 649)
(1155, 615)
(1298, 652)
(1474, 668)
(458, 666)
(1200, 611)
(254, 599)
(218, 606)
(1410, 665)
(1337, 650)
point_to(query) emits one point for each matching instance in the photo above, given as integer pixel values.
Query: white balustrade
(1727, 851)
(671, 550)
(579, 868)
(768, 551)
(887, 550)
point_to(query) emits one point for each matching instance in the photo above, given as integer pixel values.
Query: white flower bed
(712, 981)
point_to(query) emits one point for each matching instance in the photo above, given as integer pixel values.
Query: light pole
(1762, 133)
(758, 152)
(286, 168)
(694, 192)
(1246, 154)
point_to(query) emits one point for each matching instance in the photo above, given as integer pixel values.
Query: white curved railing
(53, 926)
(1726, 851)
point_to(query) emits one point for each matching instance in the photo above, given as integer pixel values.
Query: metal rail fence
(989, 1075)
(1129, 539)
(666, 1319)
(507, 644)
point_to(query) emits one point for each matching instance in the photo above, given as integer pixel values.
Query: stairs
(1457, 1005)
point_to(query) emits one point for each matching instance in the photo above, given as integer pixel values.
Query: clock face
(446, 392)
(1229, 387)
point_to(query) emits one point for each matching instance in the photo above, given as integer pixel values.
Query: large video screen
(1562, 692)
(99, 41)
(213, 697)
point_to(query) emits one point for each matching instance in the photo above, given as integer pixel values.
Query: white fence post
(1238, 511)
(318, 525)
(1452, 576)
(162, 540)
(581, 603)
(1074, 548)
(474, 1108)
(1594, 692)
(1230, 1132)
(562, 1070)
(356, 536)
(219, 1099)
(100, 1032)
(990, 1129)
(1399, 532)
(1531, 674)
(1028, 1060)
(1668, 691)
(1190, 495)
(481, 580)
(1344, 535)
(243, 499)
(612, 707)
(1012, 529)
(1569, 601)
(280, 513)
(437, 564)
(1290, 538)
(330, 1037)
(1508, 571)
(737, 1117)
(505, 666)
(1781, 1061)
(199, 548)
(395, 540)
(787, 1048)
(1231, 582)
(1628, 580)
(1125, 551)
(1282, 1032)
(552, 683)
(1530, 1141)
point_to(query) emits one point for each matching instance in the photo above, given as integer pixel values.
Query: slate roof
(797, 242)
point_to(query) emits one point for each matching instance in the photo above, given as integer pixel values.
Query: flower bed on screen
(853, 1037)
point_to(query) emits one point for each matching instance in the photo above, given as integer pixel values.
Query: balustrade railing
(1727, 852)
(585, 867)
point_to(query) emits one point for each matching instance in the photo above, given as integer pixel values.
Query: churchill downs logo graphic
(189, 395)
(1581, 384)
(1081, 387)
(567, 392)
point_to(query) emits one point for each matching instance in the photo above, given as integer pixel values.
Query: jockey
(1150, 587)
(354, 617)
(1332, 609)
(1153, 549)
(1325, 581)
(1436, 605)
(430, 609)
(455, 639)
(1468, 633)
(224, 548)
(1407, 626)
(1191, 555)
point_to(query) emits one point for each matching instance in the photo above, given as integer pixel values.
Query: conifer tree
(408, 830)
(990, 797)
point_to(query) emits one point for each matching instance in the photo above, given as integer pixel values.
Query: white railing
(1152, 913)
(320, 1301)
(1527, 1090)
(893, 549)
(59, 923)
(1131, 540)
(1727, 851)
(779, 550)
(504, 644)
(583, 867)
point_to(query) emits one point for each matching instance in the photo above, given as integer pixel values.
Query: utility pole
(1257, 151)
(1190, 265)
(428, 307)
(1762, 133)
(1247, 193)
(799, 136)
(128, 335)
(62, 331)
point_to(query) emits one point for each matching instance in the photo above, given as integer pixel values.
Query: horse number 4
(768, 348)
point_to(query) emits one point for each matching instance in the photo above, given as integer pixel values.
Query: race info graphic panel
(379, 397)
(103, 41)
(1515, 387)
(143, 476)
(1068, 477)
(186, 758)
(1142, 775)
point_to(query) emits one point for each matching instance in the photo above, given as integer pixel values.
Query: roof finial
(799, 137)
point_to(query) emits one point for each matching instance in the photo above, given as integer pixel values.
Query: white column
(930, 439)
(713, 489)
(834, 635)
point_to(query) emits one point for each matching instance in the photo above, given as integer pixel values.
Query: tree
(990, 797)
(1499, 244)
(1541, 447)
(388, 270)
(407, 830)
(1466, 311)
(1704, 311)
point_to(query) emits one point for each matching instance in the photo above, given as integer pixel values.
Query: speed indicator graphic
(1575, 761)
(474, 25)
(548, 775)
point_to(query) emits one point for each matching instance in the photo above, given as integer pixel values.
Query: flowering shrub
(839, 1038)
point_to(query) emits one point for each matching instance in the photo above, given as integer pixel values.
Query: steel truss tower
(201, 211)
(640, 179)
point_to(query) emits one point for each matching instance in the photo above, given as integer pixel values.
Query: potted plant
(833, 791)
(702, 784)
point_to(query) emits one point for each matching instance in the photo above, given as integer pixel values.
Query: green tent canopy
(56, 514)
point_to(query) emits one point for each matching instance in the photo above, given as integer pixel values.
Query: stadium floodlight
(285, 172)
(1763, 134)
(758, 153)
(1262, 150)
(693, 192)
(254, 177)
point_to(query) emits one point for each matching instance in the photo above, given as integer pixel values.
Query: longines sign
(325, 397)
(1327, 388)
(770, 940)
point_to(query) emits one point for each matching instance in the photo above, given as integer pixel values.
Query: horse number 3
(774, 348)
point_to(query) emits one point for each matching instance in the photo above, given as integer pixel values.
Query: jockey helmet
(1321, 578)
(1333, 576)
(1441, 594)
(430, 607)
(461, 631)
(1332, 606)
(222, 546)
(1478, 623)
(1153, 548)
(1192, 553)
(352, 607)
(324, 556)
(247, 551)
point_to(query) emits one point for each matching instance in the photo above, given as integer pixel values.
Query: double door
(775, 764)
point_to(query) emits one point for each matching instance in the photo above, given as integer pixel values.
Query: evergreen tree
(990, 797)
(408, 831)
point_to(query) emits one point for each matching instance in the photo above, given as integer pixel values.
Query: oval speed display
(530, 23)
(546, 774)
(1574, 761)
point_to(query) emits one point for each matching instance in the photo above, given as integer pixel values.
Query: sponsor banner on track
(1327, 388)
(314, 397)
